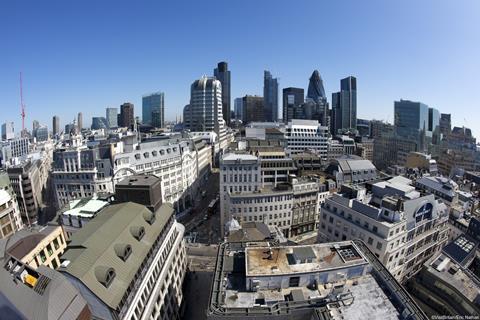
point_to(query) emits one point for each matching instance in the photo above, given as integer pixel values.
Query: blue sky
(89, 55)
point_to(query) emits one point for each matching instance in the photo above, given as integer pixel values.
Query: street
(201, 226)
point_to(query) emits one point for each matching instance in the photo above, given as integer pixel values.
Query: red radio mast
(22, 105)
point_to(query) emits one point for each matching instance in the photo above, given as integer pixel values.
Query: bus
(212, 207)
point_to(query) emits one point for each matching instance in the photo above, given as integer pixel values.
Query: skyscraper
(223, 75)
(35, 126)
(445, 124)
(344, 106)
(80, 121)
(154, 103)
(411, 121)
(253, 109)
(238, 108)
(316, 92)
(270, 96)
(112, 117)
(127, 119)
(204, 113)
(56, 125)
(7, 131)
(292, 97)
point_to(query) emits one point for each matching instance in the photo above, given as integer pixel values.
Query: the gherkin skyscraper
(316, 92)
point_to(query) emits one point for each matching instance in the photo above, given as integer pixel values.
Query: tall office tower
(127, 118)
(154, 103)
(270, 97)
(80, 121)
(35, 126)
(112, 117)
(316, 107)
(434, 125)
(316, 91)
(7, 131)
(445, 124)
(238, 108)
(56, 125)
(223, 75)
(253, 109)
(204, 113)
(344, 106)
(292, 97)
(411, 121)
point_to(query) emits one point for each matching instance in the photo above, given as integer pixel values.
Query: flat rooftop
(139, 180)
(268, 261)
(451, 272)
(86, 207)
(367, 299)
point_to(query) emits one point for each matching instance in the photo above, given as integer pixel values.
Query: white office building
(182, 165)
(399, 225)
(10, 218)
(204, 113)
(248, 193)
(304, 135)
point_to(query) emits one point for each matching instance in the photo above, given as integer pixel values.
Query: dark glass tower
(126, 117)
(223, 75)
(344, 106)
(292, 97)
(270, 96)
(316, 92)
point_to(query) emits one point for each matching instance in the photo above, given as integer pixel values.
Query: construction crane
(22, 105)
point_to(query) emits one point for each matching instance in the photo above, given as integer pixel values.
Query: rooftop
(139, 180)
(25, 240)
(238, 156)
(85, 207)
(453, 273)
(35, 294)
(283, 259)
(97, 248)
(371, 294)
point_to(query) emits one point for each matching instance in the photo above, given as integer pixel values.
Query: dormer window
(123, 251)
(149, 217)
(137, 232)
(105, 275)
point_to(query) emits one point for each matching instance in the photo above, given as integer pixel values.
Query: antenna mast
(22, 105)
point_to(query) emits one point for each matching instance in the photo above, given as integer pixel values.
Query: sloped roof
(92, 249)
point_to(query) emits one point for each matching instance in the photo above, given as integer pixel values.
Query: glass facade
(154, 103)
(411, 118)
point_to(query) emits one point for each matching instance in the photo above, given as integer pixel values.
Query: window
(294, 281)
(138, 232)
(109, 278)
(370, 240)
(379, 246)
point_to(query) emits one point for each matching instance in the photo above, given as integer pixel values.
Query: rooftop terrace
(265, 261)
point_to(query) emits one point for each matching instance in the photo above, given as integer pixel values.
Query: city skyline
(61, 80)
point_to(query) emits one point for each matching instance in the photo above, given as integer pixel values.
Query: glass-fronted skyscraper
(292, 97)
(411, 118)
(112, 117)
(238, 108)
(223, 75)
(270, 96)
(154, 103)
(344, 106)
